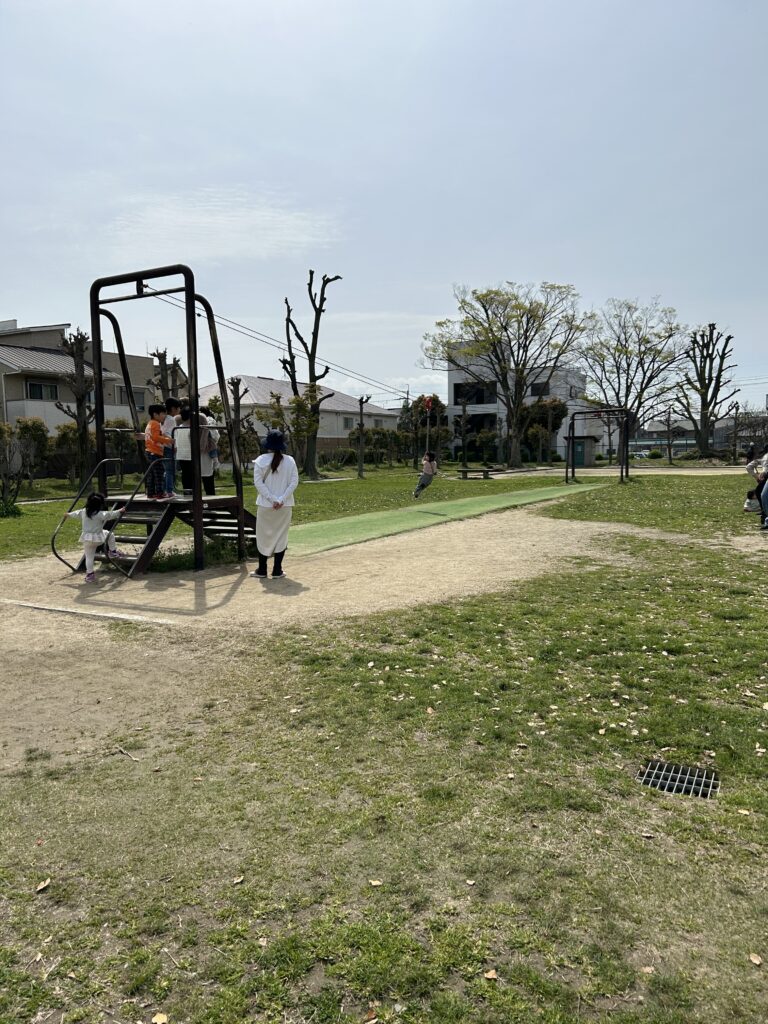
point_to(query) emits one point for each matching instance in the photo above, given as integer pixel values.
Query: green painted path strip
(311, 538)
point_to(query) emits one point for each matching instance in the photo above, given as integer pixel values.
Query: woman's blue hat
(274, 441)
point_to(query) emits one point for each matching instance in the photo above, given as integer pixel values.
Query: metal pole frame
(623, 454)
(237, 469)
(138, 278)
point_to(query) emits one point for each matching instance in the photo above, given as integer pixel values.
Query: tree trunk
(310, 456)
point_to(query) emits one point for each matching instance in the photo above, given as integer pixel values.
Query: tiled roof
(44, 360)
(259, 393)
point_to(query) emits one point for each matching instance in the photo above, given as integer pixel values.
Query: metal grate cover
(679, 778)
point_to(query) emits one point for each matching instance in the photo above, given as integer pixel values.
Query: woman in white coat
(276, 478)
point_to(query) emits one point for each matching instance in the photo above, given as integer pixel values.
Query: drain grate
(679, 778)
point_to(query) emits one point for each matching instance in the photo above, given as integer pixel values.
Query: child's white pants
(90, 550)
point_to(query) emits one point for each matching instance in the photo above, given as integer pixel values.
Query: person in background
(172, 410)
(155, 444)
(209, 439)
(428, 473)
(184, 452)
(276, 478)
(752, 503)
(213, 437)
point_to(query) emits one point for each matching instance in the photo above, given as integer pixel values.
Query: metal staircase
(144, 523)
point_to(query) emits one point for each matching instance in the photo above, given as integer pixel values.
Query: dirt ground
(78, 665)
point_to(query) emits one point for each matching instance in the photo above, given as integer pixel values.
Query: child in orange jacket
(155, 443)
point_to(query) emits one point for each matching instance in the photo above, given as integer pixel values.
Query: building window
(475, 393)
(378, 423)
(349, 423)
(539, 390)
(37, 391)
(573, 392)
(138, 397)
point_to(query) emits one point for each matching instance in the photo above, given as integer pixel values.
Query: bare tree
(754, 425)
(161, 379)
(311, 391)
(630, 355)
(514, 336)
(672, 430)
(706, 386)
(80, 383)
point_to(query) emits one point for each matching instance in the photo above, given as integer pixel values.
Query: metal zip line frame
(190, 301)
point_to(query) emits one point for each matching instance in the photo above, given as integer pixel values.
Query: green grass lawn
(703, 506)
(424, 817)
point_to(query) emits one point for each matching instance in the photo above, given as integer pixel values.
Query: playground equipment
(622, 415)
(209, 516)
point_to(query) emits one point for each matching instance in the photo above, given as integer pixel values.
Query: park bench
(471, 474)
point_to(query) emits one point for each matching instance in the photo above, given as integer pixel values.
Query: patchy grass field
(418, 818)
(702, 506)
(30, 533)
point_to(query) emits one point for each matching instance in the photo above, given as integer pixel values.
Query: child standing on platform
(172, 409)
(155, 445)
(92, 533)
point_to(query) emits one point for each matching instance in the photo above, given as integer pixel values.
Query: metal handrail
(78, 496)
(131, 496)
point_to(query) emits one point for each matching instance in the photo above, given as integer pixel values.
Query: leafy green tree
(515, 336)
(487, 441)
(631, 356)
(546, 418)
(32, 432)
(14, 467)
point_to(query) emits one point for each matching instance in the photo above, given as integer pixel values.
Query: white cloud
(215, 225)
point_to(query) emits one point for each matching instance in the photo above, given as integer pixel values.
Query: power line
(267, 339)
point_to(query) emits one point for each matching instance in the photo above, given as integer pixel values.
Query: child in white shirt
(93, 534)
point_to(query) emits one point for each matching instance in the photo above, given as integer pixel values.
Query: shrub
(555, 457)
(655, 454)
(599, 457)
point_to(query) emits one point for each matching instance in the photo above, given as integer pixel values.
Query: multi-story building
(486, 411)
(34, 371)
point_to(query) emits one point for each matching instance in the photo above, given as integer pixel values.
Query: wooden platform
(475, 474)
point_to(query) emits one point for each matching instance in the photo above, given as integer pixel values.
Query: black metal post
(128, 386)
(237, 469)
(98, 387)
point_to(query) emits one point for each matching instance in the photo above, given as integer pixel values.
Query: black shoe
(258, 575)
(279, 575)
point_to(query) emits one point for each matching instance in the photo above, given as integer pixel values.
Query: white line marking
(94, 615)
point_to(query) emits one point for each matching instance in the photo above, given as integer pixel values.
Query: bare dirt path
(82, 662)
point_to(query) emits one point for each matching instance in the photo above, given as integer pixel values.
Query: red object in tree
(428, 404)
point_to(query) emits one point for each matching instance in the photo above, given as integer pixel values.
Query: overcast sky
(409, 145)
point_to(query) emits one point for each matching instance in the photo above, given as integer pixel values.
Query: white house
(339, 414)
(486, 408)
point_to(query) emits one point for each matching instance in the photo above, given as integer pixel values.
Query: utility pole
(735, 430)
(362, 400)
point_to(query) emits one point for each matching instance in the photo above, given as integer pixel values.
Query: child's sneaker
(117, 553)
(90, 577)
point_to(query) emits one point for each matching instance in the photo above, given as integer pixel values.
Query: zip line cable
(271, 342)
